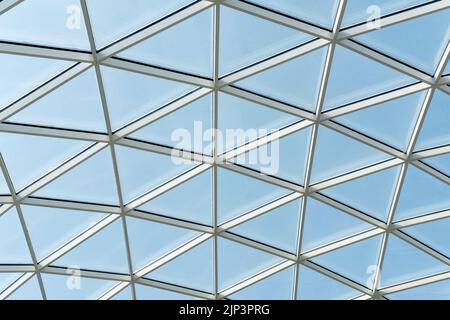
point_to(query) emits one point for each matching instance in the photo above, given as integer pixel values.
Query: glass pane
(357, 262)
(50, 228)
(13, 247)
(324, 224)
(90, 181)
(391, 122)
(188, 128)
(28, 157)
(150, 293)
(277, 228)
(191, 200)
(354, 77)
(238, 262)
(186, 47)
(275, 287)
(150, 240)
(371, 194)
(247, 194)
(79, 111)
(28, 291)
(435, 129)
(434, 234)
(159, 168)
(296, 82)
(114, 19)
(357, 11)
(403, 262)
(104, 251)
(132, 95)
(7, 278)
(192, 269)
(317, 12)
(45, 22)
(285, 158)
(433, 291)
(313, 285)
(22, 74)
(59, 287)
(241, 121)
(125, 294)
(246, 39)
(336, 154)
(421, 194)
(441, 163)
(419, 42)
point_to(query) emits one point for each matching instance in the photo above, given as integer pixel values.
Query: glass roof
(184, 149)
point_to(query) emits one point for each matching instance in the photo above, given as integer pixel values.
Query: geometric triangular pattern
(118, 123)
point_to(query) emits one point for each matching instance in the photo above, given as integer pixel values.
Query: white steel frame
(324, 38)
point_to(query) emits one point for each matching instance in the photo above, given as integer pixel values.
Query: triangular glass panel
(296, 82)
(324, 224)
(59, 287)
(13, 247)
(151, 240)
(285, 157)
(447, 69)
(29, 157)
(419, 42)
(104, 251)
(238, 262)
(275, 287)
(150, 293)
(354, 77)
(357, 261)
(435, 130)
(241, 121)
(434, 234)
(191, 200)
(8, 278)
(141, 171)
(22, 74)
(433, 291)
(321, 13)
(391, 122)
(131, 95)
(247, 194)
(90, 181)
(313, 285)
(79, 111)
(193, 269)
(3, 185)
(28, 291)
(186, 46)
(371, 194)
(337, 154)
(188, 128)
(50, 228)
(48, 23)
(277, 228)
(261, 39)
(421, 194)
(114, 19)
(362, 11)
(441, 163)
(403, 262)
(124, 294)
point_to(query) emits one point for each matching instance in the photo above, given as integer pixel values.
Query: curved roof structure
(224, 149)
